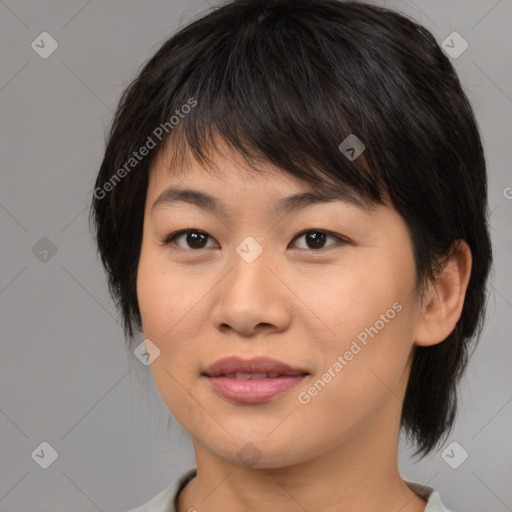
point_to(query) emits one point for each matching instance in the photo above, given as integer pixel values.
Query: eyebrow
(284, 205)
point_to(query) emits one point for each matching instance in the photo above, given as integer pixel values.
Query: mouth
(252, 381)
(258, 368)
(252, 376)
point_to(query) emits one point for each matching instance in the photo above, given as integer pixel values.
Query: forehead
(228, 178)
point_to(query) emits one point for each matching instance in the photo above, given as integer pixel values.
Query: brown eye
(315, 239)
(194, 239)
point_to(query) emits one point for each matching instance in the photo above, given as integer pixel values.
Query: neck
(359, 474)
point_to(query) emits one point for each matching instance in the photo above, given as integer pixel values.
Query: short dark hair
(285, 82)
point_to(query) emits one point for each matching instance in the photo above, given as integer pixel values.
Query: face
(327, 289)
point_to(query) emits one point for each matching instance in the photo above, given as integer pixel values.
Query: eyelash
(169, 239)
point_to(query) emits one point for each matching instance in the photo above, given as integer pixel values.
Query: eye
(194, 237)
(316, 238)
(197, 239)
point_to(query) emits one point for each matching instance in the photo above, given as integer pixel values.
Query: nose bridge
(249, 268)
(250, 294)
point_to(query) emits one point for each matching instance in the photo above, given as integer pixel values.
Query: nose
(251, 298)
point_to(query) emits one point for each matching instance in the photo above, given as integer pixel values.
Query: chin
(259, 451)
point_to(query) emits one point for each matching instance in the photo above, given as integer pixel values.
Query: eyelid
(340, 238)
(172, 236)
(167, 240)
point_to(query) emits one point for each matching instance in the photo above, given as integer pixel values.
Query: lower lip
(253, 391)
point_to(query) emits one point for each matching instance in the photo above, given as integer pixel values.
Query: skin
(300, 306)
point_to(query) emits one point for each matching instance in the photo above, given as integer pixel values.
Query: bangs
(271, 96)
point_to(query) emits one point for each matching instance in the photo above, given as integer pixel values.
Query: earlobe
(444, 299)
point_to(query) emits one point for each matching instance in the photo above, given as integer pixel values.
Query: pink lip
(251, 391)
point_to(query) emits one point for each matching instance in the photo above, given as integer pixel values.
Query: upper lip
(230, 365)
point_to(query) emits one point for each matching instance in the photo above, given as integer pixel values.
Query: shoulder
(434, 503)
(164, 500)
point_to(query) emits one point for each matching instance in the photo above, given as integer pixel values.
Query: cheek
(165, 295)
(351, 302)
(357, 379)
(151, 293)
(163, 319)
(170, 305)
(370, 314)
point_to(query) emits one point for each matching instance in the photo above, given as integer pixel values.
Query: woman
(292, 211)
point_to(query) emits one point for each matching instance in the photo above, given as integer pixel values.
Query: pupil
(318, 239)
(192, 239)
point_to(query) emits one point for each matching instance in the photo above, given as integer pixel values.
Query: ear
(443, 301)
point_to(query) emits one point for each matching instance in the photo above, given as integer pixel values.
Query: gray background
(65, 377)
